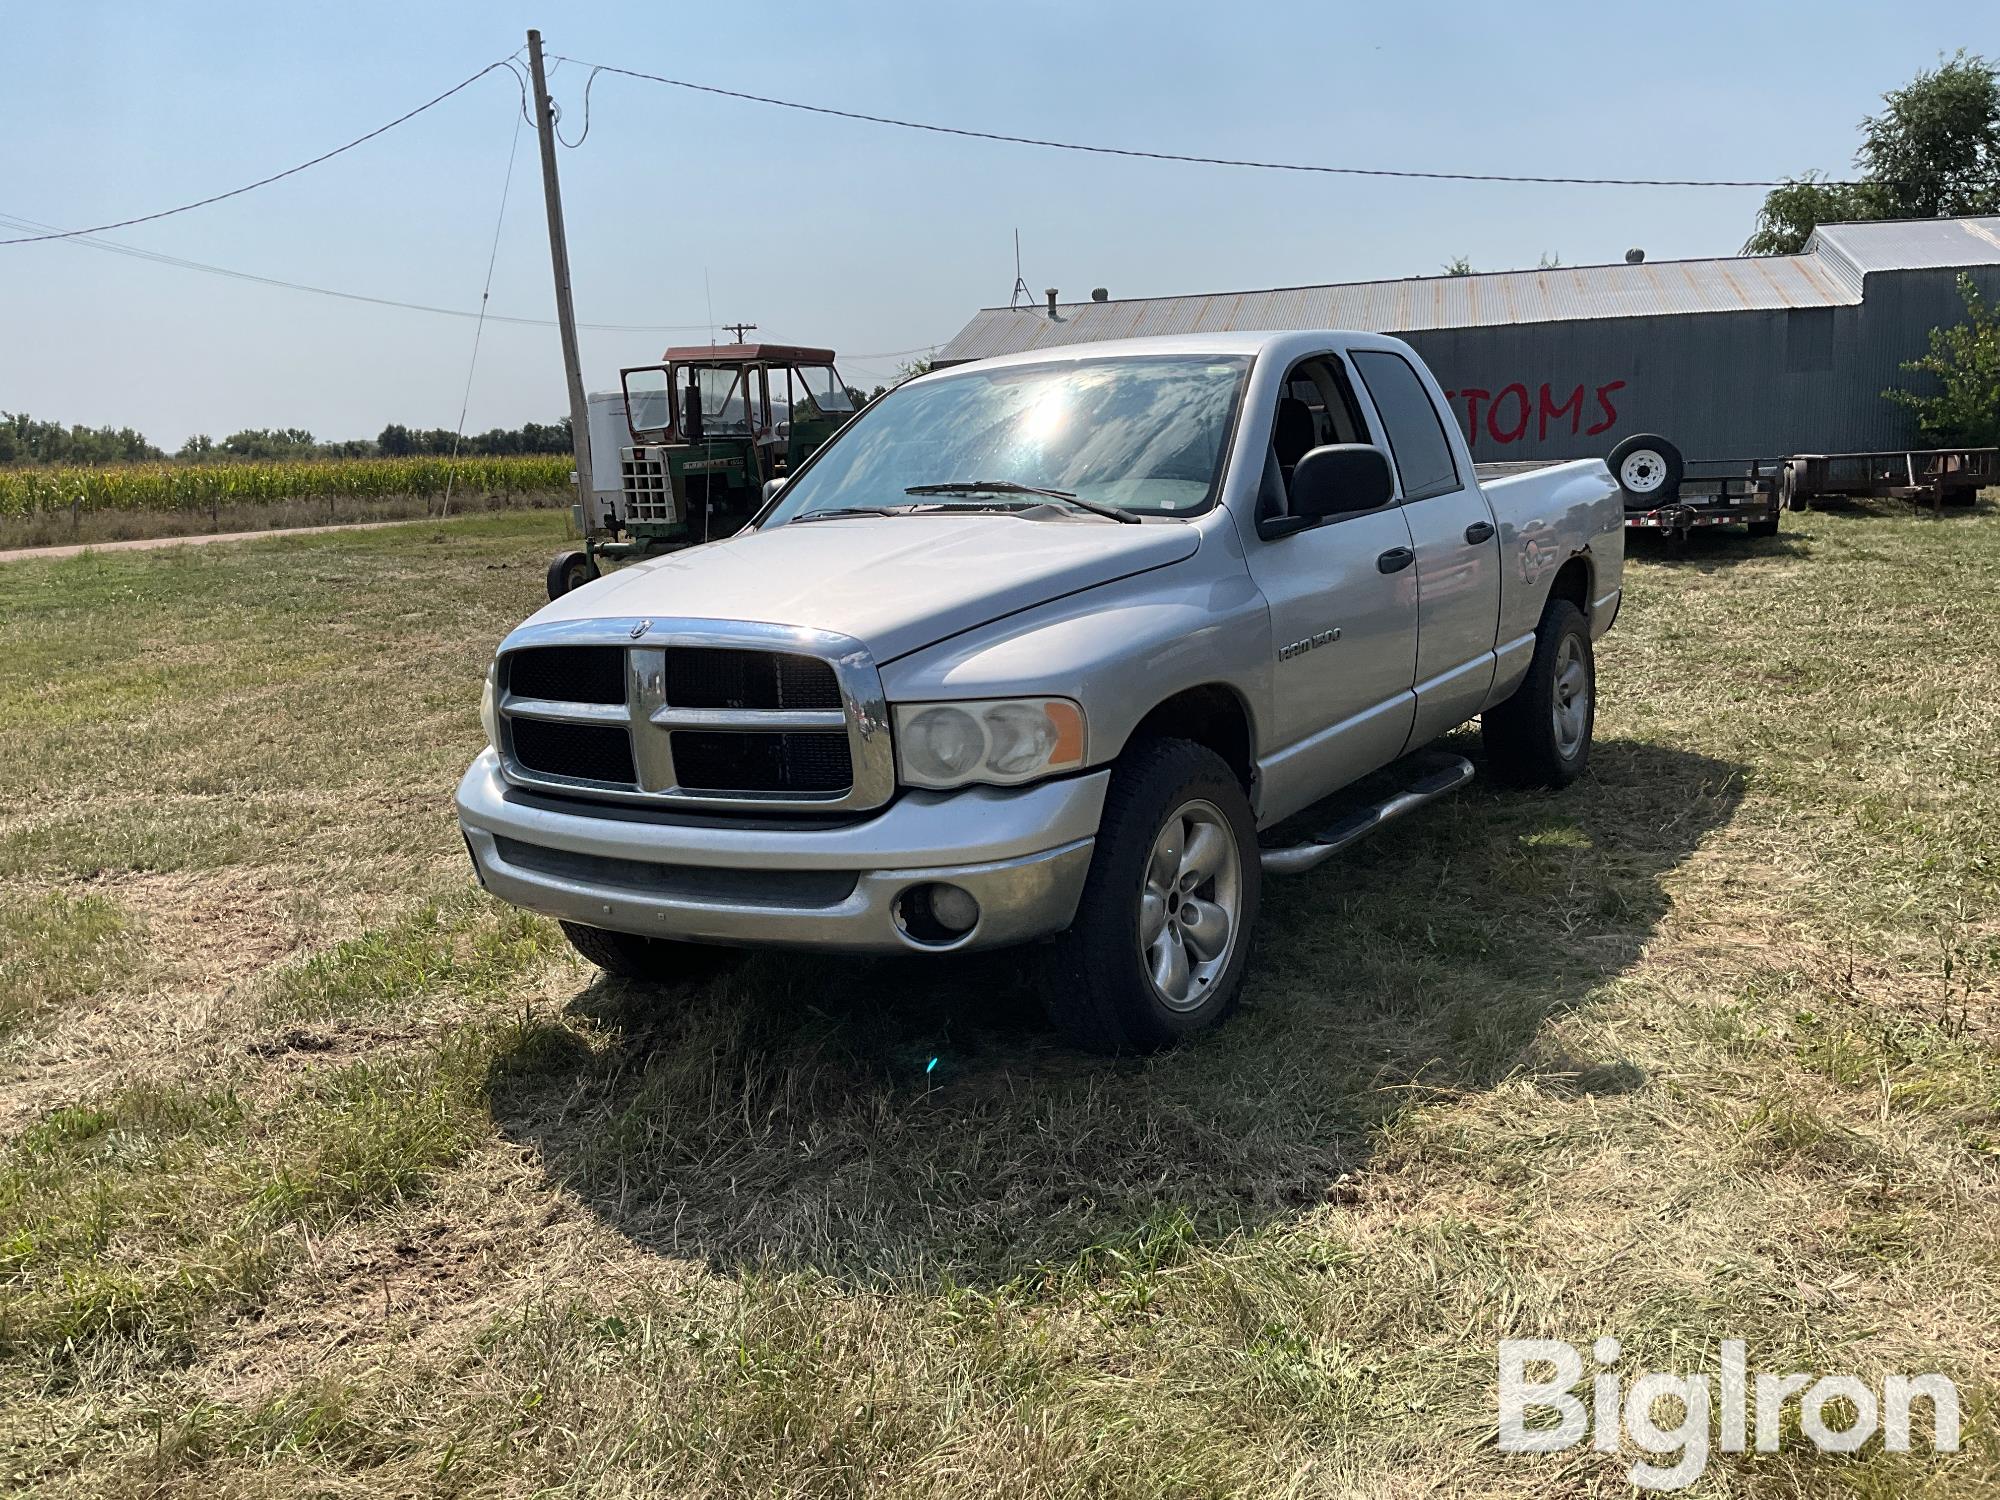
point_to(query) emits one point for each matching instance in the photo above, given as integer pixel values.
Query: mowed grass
(322, 1173)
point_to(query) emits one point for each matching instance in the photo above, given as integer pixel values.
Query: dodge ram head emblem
(641, 628)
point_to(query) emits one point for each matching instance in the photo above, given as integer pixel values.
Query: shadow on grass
(1714, 547)
(880, 1121)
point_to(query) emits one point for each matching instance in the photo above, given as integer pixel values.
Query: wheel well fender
(1213, 715)
(1572, 582)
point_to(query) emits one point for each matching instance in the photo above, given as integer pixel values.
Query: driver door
(1343, 601)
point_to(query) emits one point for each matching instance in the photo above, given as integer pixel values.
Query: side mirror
(1339, 479)
(772, 486)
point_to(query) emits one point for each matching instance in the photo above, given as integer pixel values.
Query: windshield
(1146, 435)
(722, 399)
(823, 389)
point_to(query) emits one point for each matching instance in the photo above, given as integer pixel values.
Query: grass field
(325, 1174)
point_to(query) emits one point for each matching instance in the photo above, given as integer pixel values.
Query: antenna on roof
(1020, 292)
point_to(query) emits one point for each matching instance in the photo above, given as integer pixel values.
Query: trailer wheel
(1792, 481)
(570, 570)
(1768, 525)
(1647, 467)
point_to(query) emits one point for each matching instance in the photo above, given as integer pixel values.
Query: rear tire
(648, 960)
(1766, 527)
(1162, 933)
(1541, 735)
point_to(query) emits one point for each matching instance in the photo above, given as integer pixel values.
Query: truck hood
(895, 583)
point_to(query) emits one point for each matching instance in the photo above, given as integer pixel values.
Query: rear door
(1457, 543)
(1343, 613)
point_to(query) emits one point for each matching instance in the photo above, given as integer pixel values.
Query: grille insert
(591, 752)
(568, 674)
(719, 677)
(723, 761)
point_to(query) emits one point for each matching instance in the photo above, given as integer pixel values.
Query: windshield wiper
(1009, 487)
(852, 510)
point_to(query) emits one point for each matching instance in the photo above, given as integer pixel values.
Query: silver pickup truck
(1048, 647)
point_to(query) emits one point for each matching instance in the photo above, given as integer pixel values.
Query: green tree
(1965, 360)
(1933, 151)
(1459, 266)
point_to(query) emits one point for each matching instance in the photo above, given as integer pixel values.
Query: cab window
(1316, 406)
(1416, 435)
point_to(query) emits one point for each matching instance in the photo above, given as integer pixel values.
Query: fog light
(954, 908)
(936, 915)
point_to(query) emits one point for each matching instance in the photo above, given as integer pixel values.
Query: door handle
(1479, 531)
(1395, 560)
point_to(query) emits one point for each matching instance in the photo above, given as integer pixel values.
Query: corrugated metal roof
(1828, 274)
(1913, 244)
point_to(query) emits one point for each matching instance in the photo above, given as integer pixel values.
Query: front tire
(1162, 933)
(1541, 735)
(647, 960)
(570, 570)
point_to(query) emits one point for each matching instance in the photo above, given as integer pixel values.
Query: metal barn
(1735, 358)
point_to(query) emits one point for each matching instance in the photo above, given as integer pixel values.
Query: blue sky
(684, 207)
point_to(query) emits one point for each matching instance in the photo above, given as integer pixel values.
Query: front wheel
(1162, 933)
(1541, 735)
(570, 570)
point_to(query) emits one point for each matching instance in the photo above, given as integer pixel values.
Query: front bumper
(1022, 853)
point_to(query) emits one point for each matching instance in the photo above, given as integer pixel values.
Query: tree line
(28, 440)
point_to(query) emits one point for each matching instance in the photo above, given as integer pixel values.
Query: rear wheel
(1541, 735)
(1162, 933)
(649, 960)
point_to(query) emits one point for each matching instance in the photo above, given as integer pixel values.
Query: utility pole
(579, 413)
(739, 329)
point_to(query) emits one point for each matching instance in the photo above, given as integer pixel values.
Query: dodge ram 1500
(1045, 647)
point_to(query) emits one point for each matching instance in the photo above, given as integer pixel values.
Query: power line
(1174, 156)
(14, 221)
(69, 234)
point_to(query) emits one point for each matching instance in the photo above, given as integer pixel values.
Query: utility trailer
(1934, 476)
(1712, 492)
(1665, 493)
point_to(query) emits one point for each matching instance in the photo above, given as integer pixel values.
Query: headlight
(489, 707)
(1000, 740)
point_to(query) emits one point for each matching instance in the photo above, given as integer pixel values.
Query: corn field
(211, 486)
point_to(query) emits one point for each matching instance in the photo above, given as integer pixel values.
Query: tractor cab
(710, 428)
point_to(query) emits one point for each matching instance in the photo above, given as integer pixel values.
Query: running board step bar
(1447, 773)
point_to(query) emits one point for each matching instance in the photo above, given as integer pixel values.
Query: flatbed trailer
(1934, 476)
(1755, 492)
(1675, 497)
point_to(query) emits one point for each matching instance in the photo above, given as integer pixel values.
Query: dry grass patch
(1703, 1048)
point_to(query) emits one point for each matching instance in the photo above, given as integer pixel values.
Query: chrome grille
(738, 715)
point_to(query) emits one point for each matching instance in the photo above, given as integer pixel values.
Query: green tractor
(711, 429)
